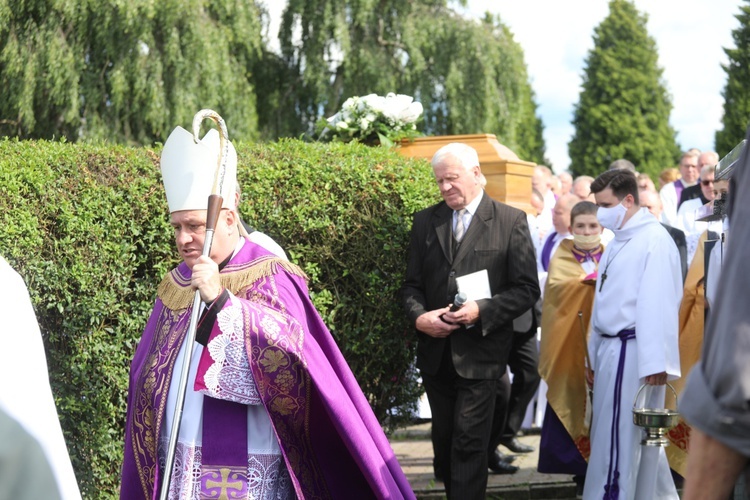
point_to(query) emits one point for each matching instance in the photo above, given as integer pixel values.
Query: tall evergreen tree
(125, 71)
(624, 108)
(470, 76)
(736, 92)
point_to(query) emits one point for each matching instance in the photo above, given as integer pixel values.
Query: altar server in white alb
(634, 338)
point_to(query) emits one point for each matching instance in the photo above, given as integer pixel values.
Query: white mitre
(188, 171)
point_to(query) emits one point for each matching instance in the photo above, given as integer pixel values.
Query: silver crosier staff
(215, 202)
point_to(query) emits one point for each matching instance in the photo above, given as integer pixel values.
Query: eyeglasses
(707, 182)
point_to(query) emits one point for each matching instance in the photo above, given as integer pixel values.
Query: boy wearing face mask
(633, 339)
(568, 300)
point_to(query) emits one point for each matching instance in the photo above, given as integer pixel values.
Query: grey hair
(622, 164)
(706, 169)
(464, 153)
(583, 178)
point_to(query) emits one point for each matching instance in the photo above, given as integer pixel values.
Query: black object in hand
(458, 302)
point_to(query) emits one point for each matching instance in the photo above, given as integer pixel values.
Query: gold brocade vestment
(692, 310)
(562, 351)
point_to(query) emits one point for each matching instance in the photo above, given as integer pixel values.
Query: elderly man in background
(671, 193)
(542, 182)
(686, 215)
(645, 183)
(622, 164)
(566, 182)
(561, 226)
(582, 188)
(537, 234)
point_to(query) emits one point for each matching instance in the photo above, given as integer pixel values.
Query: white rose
(373, 102)
(411, 113)
(342, 125)
(364, 124)
(395, 104)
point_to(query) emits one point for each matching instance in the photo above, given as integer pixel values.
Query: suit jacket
(530, 320)
(497, 240)
(679, 239)
(690, 193)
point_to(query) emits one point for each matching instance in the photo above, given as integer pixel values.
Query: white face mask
(587, 241)
(611, 217)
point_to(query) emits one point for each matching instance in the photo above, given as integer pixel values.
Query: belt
(612, 488)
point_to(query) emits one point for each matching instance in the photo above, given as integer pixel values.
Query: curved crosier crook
(221, 167)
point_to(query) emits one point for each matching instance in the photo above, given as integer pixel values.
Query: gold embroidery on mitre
(175, 292)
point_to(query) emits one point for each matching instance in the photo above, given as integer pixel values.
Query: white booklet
(475, 285)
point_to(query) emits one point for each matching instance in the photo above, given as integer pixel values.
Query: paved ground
(414, 451)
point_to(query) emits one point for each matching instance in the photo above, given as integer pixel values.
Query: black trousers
(512, 399)
(461, 423)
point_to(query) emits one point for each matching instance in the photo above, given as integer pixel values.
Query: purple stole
(549, 243)
(329, 437)
(224, 449)
(678, 187)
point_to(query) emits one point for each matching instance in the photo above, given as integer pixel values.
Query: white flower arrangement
(390, 118)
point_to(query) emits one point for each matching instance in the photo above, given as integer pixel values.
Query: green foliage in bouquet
(373, 119)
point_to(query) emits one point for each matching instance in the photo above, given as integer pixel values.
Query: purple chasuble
(558, 453)
(329, 437)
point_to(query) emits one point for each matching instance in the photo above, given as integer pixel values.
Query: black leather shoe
(500, 464)
(516, 446)
(508, 459)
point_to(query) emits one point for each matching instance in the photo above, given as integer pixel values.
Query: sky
(556, 37)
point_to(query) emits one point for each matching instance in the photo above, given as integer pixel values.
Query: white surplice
(25, 393)
(642, 291)
(670, 203)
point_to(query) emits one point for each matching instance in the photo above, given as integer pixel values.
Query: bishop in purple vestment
(272, 409)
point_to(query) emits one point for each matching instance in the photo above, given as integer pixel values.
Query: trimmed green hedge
(86, 226)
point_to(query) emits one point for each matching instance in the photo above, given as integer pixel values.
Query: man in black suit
(461, 354)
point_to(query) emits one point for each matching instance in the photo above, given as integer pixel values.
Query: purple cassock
(330, 440)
